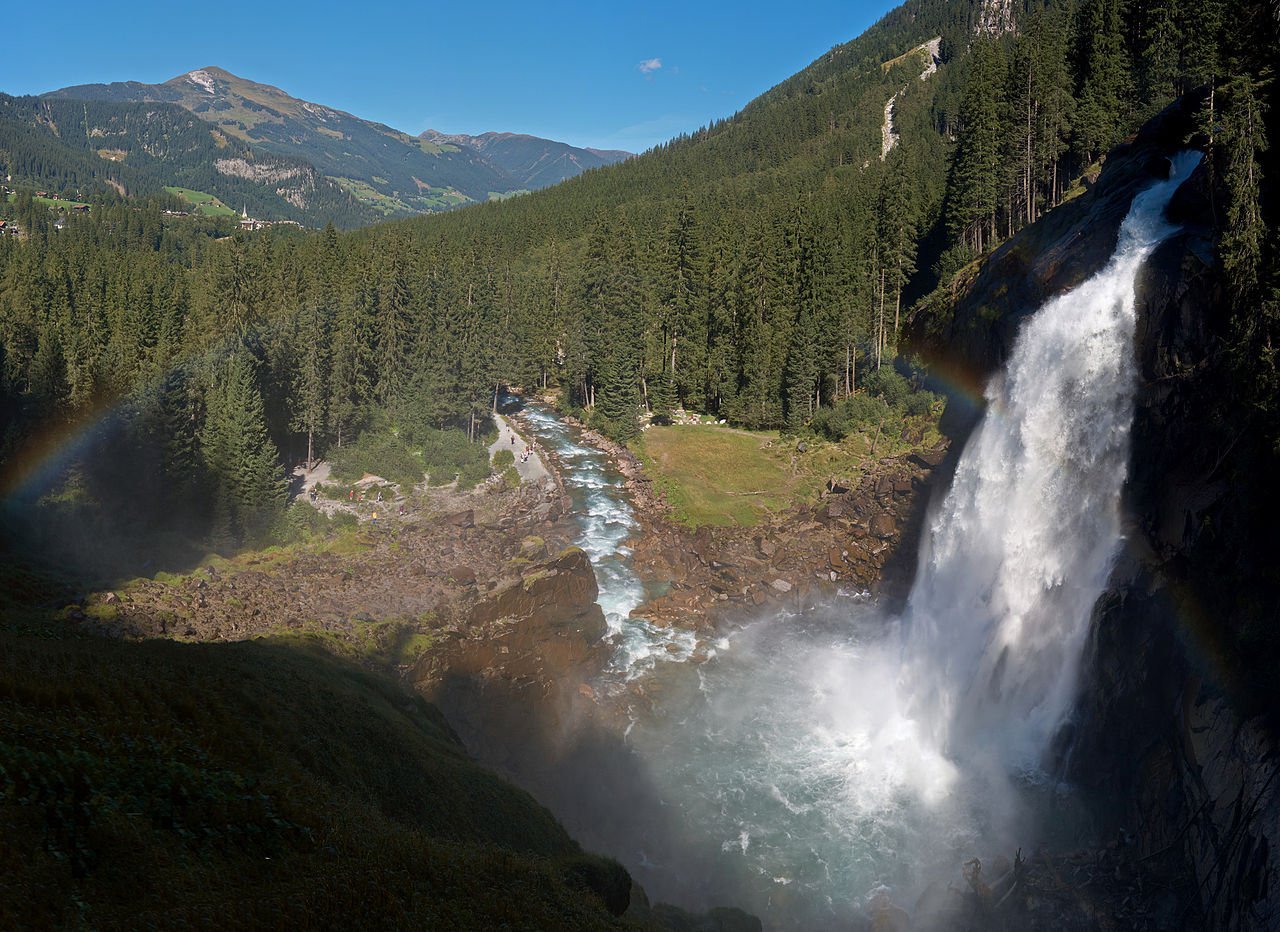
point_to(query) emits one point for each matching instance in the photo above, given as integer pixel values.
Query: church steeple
(244, 211)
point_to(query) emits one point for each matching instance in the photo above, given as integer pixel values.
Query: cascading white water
(606, 521)
(1021, 548)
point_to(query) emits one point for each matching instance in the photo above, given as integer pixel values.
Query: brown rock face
(511, 681)
(462, 519)
(556, 598)
(883, 525)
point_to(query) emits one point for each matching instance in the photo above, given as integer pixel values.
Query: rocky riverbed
(860, 535)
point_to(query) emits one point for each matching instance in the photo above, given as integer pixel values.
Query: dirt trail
(533, 470)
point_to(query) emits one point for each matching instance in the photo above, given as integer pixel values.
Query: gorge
(817, 757)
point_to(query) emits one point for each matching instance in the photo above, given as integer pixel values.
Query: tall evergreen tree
(240, 461)
(1102, 77)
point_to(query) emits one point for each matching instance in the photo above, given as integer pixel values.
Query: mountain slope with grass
(260, 784)
(121, 148)
(390, 172)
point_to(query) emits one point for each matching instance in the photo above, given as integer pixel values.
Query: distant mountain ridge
(390, 171)
(77, 147)
(534, 161)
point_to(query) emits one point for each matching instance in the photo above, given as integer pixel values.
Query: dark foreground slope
(162, 785)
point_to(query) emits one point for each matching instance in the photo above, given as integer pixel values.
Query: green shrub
(502, 459)
(343, 519)
(448, 453)
(918, 404)
(888, 384)
(296, 523)
(831, 423)
(379, 452)
(855, 413)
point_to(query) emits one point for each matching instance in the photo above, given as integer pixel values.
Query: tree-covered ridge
(757, 270)
(88, 147)
(530, 161)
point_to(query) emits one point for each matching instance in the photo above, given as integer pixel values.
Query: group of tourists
(524, 453)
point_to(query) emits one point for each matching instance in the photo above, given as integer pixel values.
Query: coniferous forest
(759, 270)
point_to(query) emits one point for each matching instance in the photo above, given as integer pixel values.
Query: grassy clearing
(712, 475)
(58, 204)
(205, 204)
(717, 475)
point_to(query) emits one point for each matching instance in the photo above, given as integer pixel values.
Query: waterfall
(814, 757)
(1022, 545)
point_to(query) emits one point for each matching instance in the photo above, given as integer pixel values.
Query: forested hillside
(530, 162)
(88, 148)
(756, 270)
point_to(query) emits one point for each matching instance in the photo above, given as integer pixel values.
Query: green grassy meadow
(205, 204)
(717, 475)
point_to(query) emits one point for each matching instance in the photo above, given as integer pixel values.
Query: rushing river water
(606, 521)
(814, 759)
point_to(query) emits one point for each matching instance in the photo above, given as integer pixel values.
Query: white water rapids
(815, 758)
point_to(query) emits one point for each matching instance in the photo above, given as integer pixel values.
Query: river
(811, 761)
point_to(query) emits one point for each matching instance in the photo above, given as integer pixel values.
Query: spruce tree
(1102, 78)
(240, 461)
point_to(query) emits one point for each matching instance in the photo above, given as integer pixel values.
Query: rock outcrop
(513, 677)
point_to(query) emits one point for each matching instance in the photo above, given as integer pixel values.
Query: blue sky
(612, 75)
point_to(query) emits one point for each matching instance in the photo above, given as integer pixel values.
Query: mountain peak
(394, 172)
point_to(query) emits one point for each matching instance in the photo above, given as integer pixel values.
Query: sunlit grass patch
(719, 476)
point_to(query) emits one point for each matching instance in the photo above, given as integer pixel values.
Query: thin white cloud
(649, 65)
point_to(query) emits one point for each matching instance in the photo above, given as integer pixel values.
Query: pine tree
(897, 229)
(683, 325)
(240, 460)
(352, 354)
(311, 377)
(973, 194)
(1102, 78)
(1242, 140)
